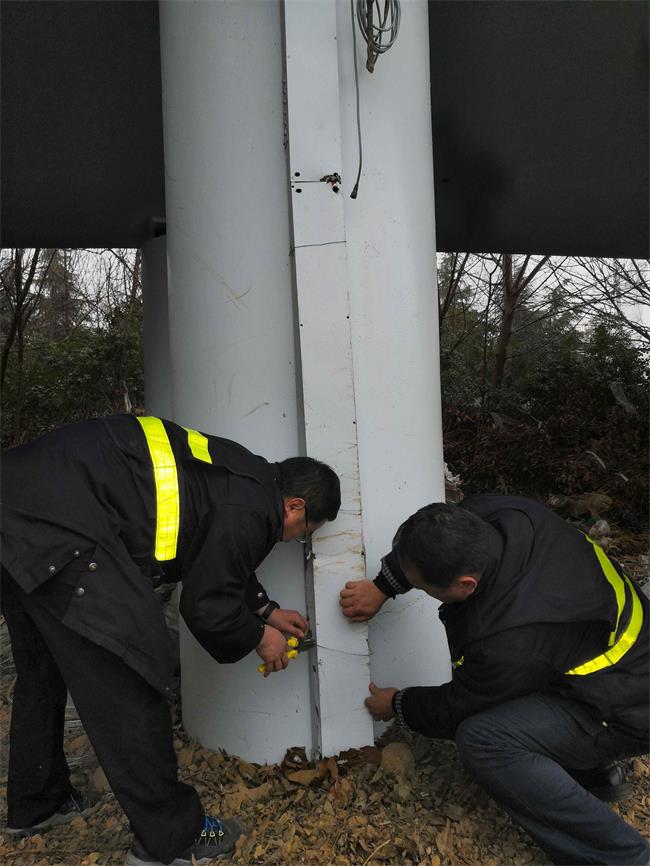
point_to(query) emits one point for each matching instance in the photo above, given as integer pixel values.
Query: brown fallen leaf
(247, 771)
(303, 777)
(215, 760)
(260, 793)
(403, 792)
(244, 848)
(357, 822)
(451, 810)
(79, 744)
(322, 769)
(342, 789)
(332, 768)
(443, 840)
(185, 756)
(376, 851)
(295, 759)
(37, 842)
(352, 758)
(99, 781)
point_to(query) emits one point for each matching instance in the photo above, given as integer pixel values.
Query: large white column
(368, 391)
(341, 661)
(391, 249)
(231, 315)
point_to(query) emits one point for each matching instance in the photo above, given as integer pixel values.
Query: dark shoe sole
(55, 820)
(58, 818)
(133, 860)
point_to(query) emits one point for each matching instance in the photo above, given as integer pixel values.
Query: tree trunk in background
(452, 273)
(514, 292)
(509, 303)
(20, 381)
(136, 286)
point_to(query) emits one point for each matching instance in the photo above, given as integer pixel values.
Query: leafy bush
(556, 426)
(91, 372)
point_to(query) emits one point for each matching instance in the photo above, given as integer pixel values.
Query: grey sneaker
(216, 841)
(76, 805)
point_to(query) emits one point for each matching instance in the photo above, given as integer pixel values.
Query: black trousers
(127, 721)
(521, 752)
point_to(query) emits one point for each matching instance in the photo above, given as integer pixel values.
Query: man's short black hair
(444, 542)
(316, 483)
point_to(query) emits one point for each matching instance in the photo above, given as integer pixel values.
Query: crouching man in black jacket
(549, 647)
(91, 513)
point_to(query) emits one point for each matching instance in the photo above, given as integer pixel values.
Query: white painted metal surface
(157, 363)
(390, 231)
(341, 663)
(236, 365)
(231, 315)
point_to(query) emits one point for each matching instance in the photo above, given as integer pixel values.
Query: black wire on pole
(378, 26)
(355, 190)
(380, 34)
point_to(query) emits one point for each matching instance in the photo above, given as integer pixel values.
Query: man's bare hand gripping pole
(360, 600)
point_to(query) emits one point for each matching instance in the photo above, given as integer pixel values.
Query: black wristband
(268, 610)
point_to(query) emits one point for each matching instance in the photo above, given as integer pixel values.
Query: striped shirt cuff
(398, 697)
(390, 579)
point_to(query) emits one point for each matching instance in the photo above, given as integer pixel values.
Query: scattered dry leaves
(411, 803)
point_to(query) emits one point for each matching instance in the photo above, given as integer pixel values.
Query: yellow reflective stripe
(166, 479)
(458, 663)
(615, 580)
(622, 645)
(198, 445)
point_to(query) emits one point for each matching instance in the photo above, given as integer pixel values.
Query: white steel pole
(231, 327)
(341, 665)
(391, 250)
(231, 315)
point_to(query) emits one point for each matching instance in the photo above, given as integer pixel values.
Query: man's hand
(380, 703)
(361, 599)
(289, 621)
(272, 649)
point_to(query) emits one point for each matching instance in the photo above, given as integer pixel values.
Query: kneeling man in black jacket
(549, 646)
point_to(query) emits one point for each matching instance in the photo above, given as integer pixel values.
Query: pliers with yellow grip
(296, 646)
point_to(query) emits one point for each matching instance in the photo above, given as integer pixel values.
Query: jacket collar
(277, 478)
(496, 547)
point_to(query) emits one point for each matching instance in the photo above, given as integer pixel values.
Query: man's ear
(468, 584)
(293, 503)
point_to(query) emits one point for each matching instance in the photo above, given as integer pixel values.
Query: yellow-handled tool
(296, 646)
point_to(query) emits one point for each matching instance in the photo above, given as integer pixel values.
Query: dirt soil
(349, 810)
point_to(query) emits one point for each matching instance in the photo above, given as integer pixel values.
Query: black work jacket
(542, 607)
(79, 507)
